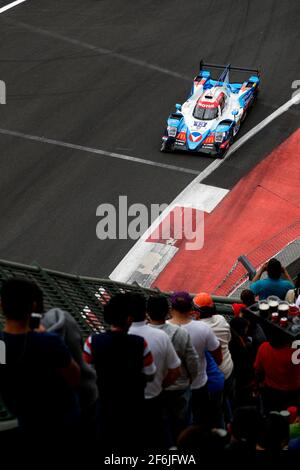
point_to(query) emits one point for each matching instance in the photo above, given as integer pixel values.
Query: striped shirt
(148, 367)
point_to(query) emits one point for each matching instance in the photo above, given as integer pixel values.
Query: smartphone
(35, 319)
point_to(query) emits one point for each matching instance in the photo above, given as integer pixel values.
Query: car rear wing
(227, 67)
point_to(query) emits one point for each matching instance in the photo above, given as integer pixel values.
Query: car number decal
(200, 123)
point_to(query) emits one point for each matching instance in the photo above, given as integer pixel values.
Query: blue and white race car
(211, 117)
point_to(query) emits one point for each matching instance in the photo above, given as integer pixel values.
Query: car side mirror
(178, 106)
(235, 112)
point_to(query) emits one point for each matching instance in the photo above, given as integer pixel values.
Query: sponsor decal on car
(209, 140)
(203, 104)
(195, 137)
(182, 136)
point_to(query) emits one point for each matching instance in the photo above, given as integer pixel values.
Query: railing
(83, 297)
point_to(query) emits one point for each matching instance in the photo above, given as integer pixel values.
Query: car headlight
(219, 136)
(172, 131)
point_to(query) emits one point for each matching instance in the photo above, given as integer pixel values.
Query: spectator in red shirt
(276, 373)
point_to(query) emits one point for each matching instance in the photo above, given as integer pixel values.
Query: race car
(212, 115)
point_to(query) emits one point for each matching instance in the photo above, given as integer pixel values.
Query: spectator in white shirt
(203, 339)
(167, 370)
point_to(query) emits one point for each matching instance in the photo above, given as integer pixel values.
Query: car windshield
(205, 114)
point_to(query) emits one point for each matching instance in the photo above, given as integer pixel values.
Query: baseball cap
(203, 300)
(182, 301)
(181, 295)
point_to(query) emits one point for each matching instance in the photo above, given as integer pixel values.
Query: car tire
(236, 129)
(167, 145)
(164, 148)
(222, 152)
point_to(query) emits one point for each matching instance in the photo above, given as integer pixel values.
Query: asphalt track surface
(105, 74)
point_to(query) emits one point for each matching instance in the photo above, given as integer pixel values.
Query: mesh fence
(83, 297)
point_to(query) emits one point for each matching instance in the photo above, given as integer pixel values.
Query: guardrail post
(248, 266)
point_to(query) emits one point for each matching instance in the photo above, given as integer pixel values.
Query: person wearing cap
(203, 339)
(204, 303)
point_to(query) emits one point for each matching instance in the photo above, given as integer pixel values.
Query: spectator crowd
(169, 373)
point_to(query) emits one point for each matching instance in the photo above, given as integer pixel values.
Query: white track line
(146, 260)
(122, 270)
(45, 140)
(11, 5)
(100, 50)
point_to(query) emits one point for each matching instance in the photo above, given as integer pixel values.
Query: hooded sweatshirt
(63, 324)
(222, 331)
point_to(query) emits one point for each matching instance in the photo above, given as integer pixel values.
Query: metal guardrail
(83, 297)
